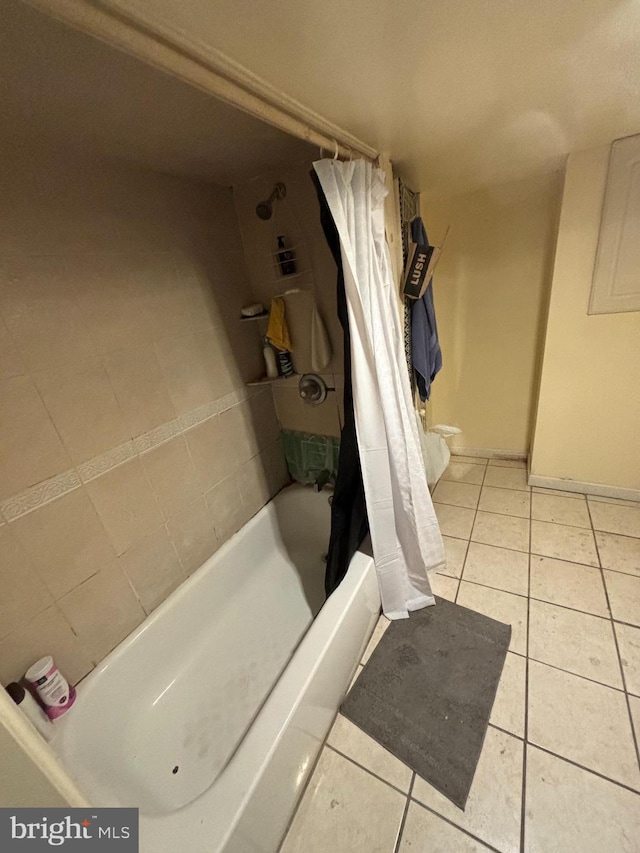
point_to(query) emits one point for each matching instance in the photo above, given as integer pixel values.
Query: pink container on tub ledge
(53, 690)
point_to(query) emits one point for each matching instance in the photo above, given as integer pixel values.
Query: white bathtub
(210, 715)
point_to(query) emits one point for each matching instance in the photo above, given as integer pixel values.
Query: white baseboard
(488, 453)
(584, 488)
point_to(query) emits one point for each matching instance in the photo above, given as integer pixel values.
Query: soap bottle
(30, 708)
(285, 362)
(270, 362)
(286, 258)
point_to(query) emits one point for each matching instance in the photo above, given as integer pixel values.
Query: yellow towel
(278, 331)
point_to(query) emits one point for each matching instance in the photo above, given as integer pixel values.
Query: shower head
(264, 210)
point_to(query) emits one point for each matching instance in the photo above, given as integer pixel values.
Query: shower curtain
(404, 530)
(349, 523)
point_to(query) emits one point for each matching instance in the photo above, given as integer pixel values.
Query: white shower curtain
(404, 530)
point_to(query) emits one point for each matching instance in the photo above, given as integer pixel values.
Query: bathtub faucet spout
(323, 478)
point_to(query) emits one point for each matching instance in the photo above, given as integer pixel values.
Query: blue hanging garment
(425, 348)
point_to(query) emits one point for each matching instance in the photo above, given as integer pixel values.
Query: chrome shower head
(264, 210)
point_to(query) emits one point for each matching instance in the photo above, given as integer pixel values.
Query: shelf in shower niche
(263, 316)
(278, 380)
(293, 275)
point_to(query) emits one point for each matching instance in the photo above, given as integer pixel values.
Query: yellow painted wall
(589, 406)
(491, 291)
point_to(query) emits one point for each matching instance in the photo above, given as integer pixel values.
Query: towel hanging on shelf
(278, 331)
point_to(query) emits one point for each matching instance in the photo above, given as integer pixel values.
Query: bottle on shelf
(270, 361)
(286, 258)
(285, 362)
(30, 708)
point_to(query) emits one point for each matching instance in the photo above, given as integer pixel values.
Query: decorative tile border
(42, 493)
(236, 397)
(48, 490)
(148, 440)
(197, 416)
(210, 410)
(106, 461)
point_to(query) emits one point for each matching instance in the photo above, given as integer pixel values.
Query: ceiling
(462, 93)
(60, 86)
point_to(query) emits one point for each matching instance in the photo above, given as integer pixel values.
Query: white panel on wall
(616, 274)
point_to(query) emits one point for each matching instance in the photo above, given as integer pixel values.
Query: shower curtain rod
(211, 72)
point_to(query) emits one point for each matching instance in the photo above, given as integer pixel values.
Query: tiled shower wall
(298, 218)
(130, 448)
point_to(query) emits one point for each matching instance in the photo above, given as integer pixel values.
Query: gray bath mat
(426, 692)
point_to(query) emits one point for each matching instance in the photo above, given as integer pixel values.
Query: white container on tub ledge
(55, 693)
(222, 771)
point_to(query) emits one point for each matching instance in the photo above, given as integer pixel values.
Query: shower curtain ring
(337, 149)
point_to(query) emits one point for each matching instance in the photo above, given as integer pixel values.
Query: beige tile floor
(559, 770)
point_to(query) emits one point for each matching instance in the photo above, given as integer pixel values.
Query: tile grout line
(534, 553)
(546, 600)
(550, 492)
(621, 572)
(590, 527)
(326, 745)
(629, 502)
(506, 731)
(522, 491)
(299, 801)
(524, 743)
(615, 640)
(577, 674)
(466, 555)
(523, 812)
(491, 512)
(568, 672)
(621, 535)
(323, 745)
(366, 769)
(301, 796)
(455, 825)
(585, 677)
(410, 797)
(405, 811)
(586, 769)
(482, 462)
(620, 621)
